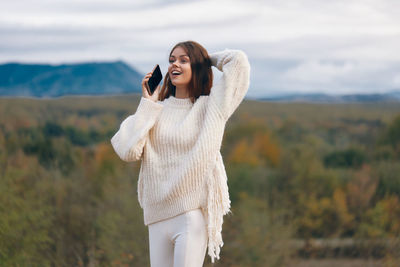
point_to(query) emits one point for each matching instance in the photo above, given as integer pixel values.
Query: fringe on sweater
(218, 205)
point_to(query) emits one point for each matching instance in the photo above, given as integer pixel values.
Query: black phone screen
(155, 79)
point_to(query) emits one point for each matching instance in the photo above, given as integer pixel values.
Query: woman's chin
(174, 83)
(179, 82)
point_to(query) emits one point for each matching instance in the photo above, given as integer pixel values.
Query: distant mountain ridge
(393, 96)
(110, 78)
(92, 78)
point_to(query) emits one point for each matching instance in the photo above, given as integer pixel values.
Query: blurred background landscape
(308, 183)
(312, 154)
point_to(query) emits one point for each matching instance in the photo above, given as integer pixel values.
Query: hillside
(393, 96)
(44, 80)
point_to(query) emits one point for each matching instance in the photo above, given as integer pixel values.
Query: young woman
(177, 134)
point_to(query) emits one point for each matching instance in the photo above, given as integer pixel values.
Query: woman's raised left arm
(230, 90)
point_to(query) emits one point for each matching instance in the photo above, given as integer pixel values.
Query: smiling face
(193, 77)
(179, 70)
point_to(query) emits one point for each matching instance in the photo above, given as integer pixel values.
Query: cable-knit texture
(179, 144)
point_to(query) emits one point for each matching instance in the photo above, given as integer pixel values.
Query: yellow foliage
(340, 203)
(259, 151)
(104, 153)
(326, 216)
(315, 217)
(361, 189)
(243, 153)
(383, 220)
(266, 148)
(391, 206)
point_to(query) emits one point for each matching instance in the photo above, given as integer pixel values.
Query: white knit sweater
(179, 145)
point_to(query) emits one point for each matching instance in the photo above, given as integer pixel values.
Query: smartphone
(154, 80)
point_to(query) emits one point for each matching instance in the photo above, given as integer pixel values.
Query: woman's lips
(175, 75)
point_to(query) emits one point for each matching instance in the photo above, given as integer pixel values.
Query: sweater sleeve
(230, 90)
(131, 137)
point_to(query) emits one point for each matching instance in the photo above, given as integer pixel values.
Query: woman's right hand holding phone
(145, 90)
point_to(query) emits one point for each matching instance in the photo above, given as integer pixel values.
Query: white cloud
(332, 77)
(132, 17)
(319, 72)
(396, 80)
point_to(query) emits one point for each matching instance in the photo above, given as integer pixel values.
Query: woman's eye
(181, 61)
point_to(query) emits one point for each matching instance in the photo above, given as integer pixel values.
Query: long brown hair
(202, 75)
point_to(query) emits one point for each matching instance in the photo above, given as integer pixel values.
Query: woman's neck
(181, 92)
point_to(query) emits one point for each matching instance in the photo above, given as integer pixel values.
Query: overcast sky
(337, 46)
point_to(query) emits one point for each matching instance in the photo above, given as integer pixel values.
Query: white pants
(180, 241)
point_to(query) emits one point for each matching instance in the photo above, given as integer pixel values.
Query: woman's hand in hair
(145, 92)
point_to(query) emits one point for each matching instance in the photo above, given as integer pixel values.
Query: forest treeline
(296, 172)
